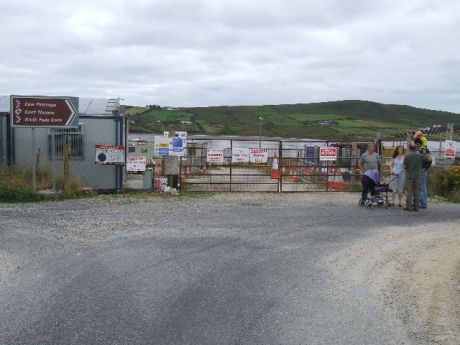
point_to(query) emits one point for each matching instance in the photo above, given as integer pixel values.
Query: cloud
(204, 52)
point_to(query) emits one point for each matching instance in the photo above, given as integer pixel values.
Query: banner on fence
(215, 156)
(328, 153)
(240, 155)
(450, 149)
(136, 163)
(258, 156)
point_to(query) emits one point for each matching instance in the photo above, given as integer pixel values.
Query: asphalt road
(226, 269)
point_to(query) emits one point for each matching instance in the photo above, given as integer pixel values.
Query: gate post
(180, 175)
(327, 171)
(280, 167)
(231, 163)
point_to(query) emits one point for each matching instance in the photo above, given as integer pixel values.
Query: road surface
(228, 269)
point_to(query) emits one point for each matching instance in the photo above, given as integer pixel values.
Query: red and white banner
(215, 156)
(328, 153)
(450, 149)
(258, 156)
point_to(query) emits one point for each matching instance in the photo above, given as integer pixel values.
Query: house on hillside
(328, 123)
(99, 123)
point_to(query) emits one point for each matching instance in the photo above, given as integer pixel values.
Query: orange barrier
(335, 179)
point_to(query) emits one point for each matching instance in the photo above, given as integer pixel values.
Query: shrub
(436, 176)
(451, 181)
(445, 181)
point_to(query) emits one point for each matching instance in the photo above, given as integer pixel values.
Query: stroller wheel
(362, 202)
(390, 205)
(369, 205)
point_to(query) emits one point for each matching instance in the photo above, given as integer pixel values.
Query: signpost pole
(34, 161)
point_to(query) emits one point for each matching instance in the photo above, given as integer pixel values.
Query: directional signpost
(44, 112)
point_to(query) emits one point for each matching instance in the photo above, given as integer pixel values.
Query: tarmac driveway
(227, 269)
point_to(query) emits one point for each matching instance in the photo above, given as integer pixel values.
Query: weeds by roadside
(445, 182)
(16, 186)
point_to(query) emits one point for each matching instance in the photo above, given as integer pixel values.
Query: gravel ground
(228, 269)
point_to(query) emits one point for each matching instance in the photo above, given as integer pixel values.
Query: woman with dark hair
(398, 175)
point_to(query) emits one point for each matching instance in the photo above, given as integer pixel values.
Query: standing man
(422, 137)
(369, 163)
(424, 175)
(413, 163)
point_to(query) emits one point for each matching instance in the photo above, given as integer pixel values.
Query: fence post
(280, 167)
(327, 171)
(231, 163)
(179, 183)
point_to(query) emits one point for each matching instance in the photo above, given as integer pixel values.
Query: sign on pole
(162, 146)
(177, 145)
(328, 153)
(258, 156)
(450, 149)
(45, 112)
(215, 156)
(55, 112)
(109, 154)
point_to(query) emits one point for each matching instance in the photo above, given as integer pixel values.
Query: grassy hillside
(351, 119)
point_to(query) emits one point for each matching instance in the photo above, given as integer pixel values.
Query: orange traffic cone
(275, 168)
(335, 180)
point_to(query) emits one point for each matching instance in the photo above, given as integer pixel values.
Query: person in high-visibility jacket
(423, 138)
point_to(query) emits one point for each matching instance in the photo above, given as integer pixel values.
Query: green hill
(347, 119)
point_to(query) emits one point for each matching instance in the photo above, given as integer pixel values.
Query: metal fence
(271, 166)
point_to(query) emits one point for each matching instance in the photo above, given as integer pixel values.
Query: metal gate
(269, 165)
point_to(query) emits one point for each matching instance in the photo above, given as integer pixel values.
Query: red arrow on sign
(42, 112)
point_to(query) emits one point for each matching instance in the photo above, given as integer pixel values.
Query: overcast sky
(234, 52)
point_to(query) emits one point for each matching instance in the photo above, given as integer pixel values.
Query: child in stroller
(380, 196)
(379, 193)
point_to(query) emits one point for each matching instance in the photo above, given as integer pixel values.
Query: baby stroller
(379, 197)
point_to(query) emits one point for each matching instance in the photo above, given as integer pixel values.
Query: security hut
(99, 126)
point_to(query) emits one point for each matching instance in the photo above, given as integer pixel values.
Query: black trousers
(368, 186)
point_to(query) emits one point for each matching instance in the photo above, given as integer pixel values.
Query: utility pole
(450, 130)
(260, 131)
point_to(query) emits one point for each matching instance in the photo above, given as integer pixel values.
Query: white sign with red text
(328, 153)
(136, 163)
(215, 156)
(258, 156)
(450, 149)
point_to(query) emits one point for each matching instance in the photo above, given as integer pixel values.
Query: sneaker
(415, 209)
(423, 207)
(362, 202)
(407, 209)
